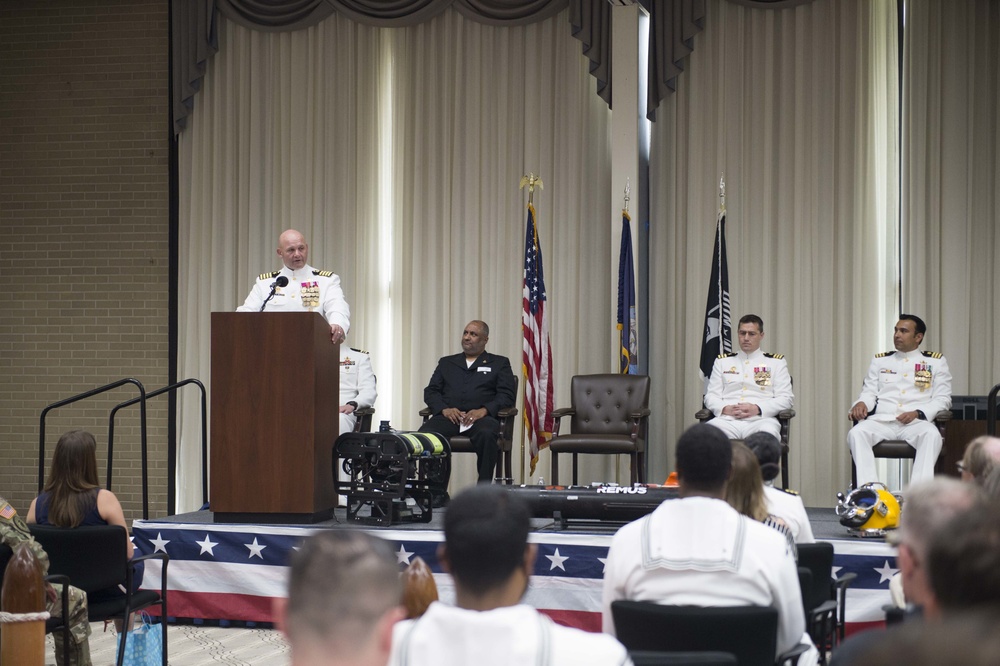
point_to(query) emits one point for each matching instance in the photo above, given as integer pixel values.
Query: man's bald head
(292, 249)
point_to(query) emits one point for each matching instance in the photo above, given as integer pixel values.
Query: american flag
(537, 356)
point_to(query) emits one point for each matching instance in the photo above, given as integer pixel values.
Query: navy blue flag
(628, 343)
(718, 329)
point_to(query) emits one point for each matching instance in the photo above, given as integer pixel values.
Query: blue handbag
(144, 644)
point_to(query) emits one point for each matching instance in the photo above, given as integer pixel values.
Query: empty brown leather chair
(609, 416)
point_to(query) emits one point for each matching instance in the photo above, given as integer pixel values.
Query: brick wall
(83, 249)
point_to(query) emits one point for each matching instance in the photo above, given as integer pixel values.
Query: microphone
(280, 282)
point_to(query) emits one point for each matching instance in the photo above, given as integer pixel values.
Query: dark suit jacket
(488, 383)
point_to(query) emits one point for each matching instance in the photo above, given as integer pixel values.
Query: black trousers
(483, 435)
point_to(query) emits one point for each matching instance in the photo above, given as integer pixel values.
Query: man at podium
(298, 287)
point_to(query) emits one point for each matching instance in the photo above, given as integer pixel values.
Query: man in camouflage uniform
(13, 532)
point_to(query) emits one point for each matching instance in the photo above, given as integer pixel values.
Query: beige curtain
(278, 140)
(402, 170)
(795, 108)
(951, 177)
(475, 108)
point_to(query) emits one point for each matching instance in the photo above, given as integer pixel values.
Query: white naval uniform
(699, 551)
(450, 636)
(789, 507)
(758, 378)
(332, 305)
(901, 382)
(357, 383)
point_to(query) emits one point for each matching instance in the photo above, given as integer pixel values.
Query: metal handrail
(171, 448)
(991, 411)
(83, 396)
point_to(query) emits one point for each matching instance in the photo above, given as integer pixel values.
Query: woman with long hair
(72, 495)
(745, 492)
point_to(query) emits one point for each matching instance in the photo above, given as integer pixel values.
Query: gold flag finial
(628, 189)
(531, 180)
(722, 193)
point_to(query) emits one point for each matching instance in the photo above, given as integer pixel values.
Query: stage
(232, 572)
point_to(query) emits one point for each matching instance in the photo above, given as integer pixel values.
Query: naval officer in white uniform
(357, 385)
(749, 388)
(903, 391)
(307, 290)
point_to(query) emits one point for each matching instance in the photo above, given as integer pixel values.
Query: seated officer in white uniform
(903, 391)
(697, 550)
(749, 388)
(486, 551)
(307, 289)
(357, 385)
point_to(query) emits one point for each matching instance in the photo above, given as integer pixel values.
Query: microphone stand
(274, 288)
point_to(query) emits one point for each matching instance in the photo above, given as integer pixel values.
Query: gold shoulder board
(727, 355)
(777, 356)
(360, 351)
(323, 273)
(884, 354)
(930, 354)
(268, 276)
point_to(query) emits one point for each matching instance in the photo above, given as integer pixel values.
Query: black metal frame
(144, 441)
(991, 411)
(384, 474)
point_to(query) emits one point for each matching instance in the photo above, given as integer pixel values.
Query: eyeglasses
(960, 466)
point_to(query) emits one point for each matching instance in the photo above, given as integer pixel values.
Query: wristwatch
(352, 404)
(921, 415)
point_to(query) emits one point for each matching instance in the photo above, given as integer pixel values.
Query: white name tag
(484, 369)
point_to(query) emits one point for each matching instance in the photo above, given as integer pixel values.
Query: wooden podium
(275, 393)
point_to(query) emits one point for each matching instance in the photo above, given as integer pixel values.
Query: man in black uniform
(465, 394)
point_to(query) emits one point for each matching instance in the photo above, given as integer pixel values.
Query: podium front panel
(275, 394)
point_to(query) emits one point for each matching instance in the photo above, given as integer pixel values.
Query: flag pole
(530, 180)
(618, 466)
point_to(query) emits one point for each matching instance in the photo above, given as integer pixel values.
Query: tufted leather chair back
(603, 403)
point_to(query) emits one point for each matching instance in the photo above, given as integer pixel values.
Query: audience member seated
(981, 455)
(344, 595)
(991, 486)
(969, 639)
(745, 492)
(784, 504)
(13, 532)
(72, 497)
(928, 509)
(698, 551)
(487, 553)
(954, 569)
(963, 559)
